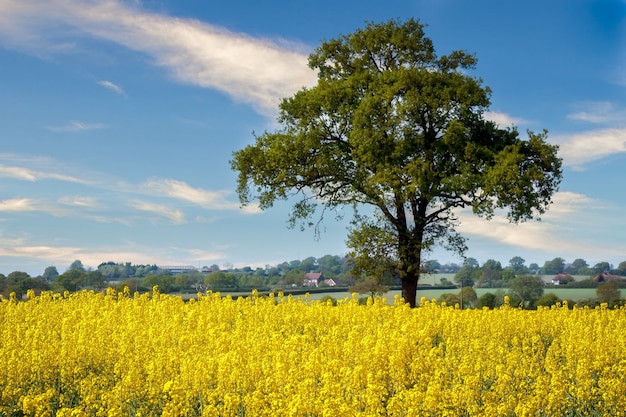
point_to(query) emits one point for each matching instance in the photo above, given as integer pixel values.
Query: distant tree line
(144, 277)
(491, 274)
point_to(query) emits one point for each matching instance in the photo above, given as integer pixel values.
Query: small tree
(547, 300)
(469, 272)
(449, 299)
(487, 300)
(71, 280)
(553, 267)
(526, 288)
(77, 265)
(369, 286)
(517, 265)
(467, 297)
(608, 292)
(577, 267)
(50, 273)
(490, 273)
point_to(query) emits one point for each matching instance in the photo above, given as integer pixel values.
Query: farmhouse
(562, 279)
(314, 279)
(606, 277)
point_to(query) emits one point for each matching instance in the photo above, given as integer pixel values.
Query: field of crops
(122, 354)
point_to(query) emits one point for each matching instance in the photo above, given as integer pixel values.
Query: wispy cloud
(598, 112)
(28, 174)
(607, 138)
(78, 201)
(252, 70)
(176, 216)
(109, 85)
(503, 119)
(39, 169)
(23, 248)
(216, 200)
(75, 126)
(51, 253)
(579, 149)
(552, 232)
(18, 205)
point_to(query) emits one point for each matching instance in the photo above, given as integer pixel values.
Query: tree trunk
(410, 268)
(410, 248)
(409, 289)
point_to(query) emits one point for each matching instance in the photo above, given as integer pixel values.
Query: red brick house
(562, 279)
(314, 279)
(606, 277)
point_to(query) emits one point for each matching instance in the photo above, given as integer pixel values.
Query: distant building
(606, 277)
(314, 279)
(562, 279)
(178, 269)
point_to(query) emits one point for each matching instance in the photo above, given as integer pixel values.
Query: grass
(573, 294)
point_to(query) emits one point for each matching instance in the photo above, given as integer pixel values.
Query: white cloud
(581, 148)
(79, 201)
(597, 112)
(112, 86)
(50, 253)
(252, 70)
(18, 205)
(552, 233)
(565, 202)
(27, 174)
(502, 119)
(75, 126)
(215, 200)
(176, 216)
(37, 169)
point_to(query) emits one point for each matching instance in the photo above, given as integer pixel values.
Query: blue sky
(118, 120)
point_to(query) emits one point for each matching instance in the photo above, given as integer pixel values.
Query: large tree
(393, 126)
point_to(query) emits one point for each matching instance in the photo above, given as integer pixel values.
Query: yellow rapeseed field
(122, 354)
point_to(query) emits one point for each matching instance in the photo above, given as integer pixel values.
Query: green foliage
(517, 265)
(553, 267)
(468, 297)
(526, 289)
(50, 273)
(608, 292)
(77, 265)
(19, 282)
(469, 273)
(449, 299)
(392, 125)
(221, 281)
(445, 282)
(369, 286)
(601, 267)
(578, 267)
(487, 300)
(547, 300)
(166, 283)
(327, 298)
(71, 280)
(491, 273)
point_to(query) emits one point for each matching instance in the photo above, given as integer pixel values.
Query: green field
(573, 294)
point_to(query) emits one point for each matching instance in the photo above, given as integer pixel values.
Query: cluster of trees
(580, 267)
(528, 291)
(491, 274)
(144, 277)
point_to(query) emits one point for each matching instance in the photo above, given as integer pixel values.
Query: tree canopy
(393, 126)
